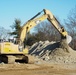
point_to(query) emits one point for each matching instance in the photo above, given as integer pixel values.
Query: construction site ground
(37, 69)
(50, 58)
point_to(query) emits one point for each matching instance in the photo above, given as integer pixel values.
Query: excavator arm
(29, 25)
(56, 24)
(36, 20)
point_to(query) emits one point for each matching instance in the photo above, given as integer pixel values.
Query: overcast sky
(25, 9)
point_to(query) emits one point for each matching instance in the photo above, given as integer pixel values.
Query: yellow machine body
(11, 48)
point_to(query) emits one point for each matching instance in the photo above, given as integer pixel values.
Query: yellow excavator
(10, 52)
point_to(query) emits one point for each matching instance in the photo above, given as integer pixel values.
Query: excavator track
(11, 59)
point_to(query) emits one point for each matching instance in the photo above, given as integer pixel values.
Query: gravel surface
(53, 52)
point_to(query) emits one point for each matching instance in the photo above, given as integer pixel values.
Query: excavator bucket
(68, 39)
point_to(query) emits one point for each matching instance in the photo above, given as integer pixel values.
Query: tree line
(46, 31)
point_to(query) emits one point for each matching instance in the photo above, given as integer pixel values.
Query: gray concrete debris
(54, 52)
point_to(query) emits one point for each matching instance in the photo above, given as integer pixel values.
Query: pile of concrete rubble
(53, 52)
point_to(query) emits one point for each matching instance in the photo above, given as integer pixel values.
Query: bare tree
(46, 31)
(4, 33)
(71, 26)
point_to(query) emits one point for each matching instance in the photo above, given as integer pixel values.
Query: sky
(25, 9)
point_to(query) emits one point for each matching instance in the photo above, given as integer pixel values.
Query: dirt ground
(37, 69)
(62, 61)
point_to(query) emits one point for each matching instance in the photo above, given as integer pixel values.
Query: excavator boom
(36, 20)
(29, 25)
